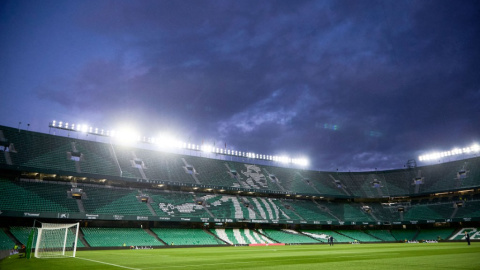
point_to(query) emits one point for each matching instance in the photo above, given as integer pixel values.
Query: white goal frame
(53, 240)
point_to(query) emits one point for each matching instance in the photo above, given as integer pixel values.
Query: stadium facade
(66, 179)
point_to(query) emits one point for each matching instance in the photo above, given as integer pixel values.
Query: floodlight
(54, 122)
(126, 135)
(475, 147)
(207, 148)
(166, 141)
(301, 161)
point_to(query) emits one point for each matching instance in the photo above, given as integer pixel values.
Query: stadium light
(128, 135)
(124, 135)
(166, 141)
(206, 148)
(475, 148)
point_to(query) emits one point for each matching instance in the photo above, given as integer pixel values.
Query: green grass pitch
(363, 256)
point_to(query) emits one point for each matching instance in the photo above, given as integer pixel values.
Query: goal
(56, 240)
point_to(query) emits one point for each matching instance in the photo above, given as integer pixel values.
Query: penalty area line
(121, 266)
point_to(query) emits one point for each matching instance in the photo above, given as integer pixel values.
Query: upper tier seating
(56, 154)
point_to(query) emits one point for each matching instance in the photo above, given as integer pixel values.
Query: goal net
(56, 240)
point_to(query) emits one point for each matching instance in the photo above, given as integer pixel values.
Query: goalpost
(56, 240)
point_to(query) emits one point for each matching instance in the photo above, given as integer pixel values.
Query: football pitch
(362, 256)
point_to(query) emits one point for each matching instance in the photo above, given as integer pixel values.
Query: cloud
(346, 82)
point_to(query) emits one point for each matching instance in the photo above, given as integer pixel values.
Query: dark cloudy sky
(353, 85)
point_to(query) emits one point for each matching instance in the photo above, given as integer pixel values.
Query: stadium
(113, 204)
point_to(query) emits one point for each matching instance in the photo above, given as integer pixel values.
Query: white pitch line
(108, 263)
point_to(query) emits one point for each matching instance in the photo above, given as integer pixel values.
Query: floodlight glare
(166, 141)
(475, 147)
(125, 135)
(128, 135)
(453, 152)
(206, 148)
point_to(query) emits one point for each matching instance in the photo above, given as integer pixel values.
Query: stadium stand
(67, 154)
(460, 234)
(241, 236)
(383, 235)
(308, 210)
(288, 236)
(39, 172)
(113, 200)
(21, 233)
(224, 206)
(117, 237)
(404, 235)
(434, 234)
(322, 234)
(32, 195)
(176, 204)
(5, 241)
(358, 235)
(213, 172)
(323, 182)
(185, 236)
(422, 211)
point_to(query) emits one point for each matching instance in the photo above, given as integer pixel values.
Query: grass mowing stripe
(341, 257)
(195, 265)
(121, 266)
